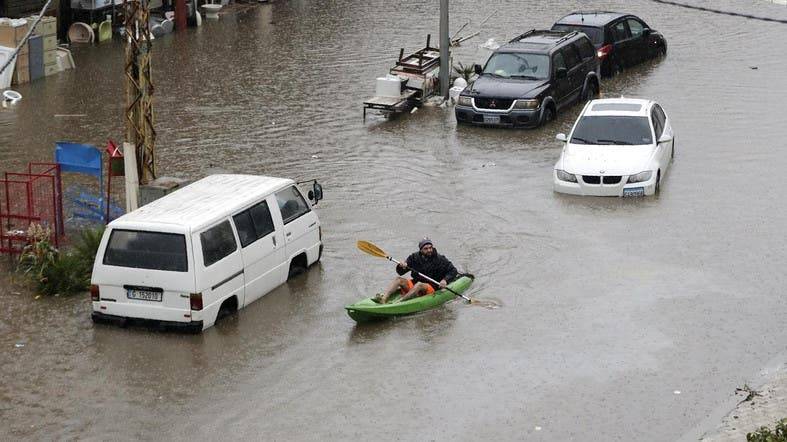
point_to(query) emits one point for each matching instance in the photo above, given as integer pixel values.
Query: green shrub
(57, 272)
(465, 72)
(764, 434)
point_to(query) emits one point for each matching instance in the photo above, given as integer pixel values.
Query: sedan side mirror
(664, 138)
(561, 73)
(561, 137)
(478, 69)
(646, 32)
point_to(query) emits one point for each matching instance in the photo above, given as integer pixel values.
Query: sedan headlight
(562, 175)
(464, 100)
(526, 104)
(640, 177)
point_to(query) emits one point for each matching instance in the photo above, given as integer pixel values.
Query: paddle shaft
(431, 280)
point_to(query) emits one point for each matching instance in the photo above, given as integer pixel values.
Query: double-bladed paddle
(371, 249)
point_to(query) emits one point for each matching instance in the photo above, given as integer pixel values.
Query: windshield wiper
(581, 140)
(527, 77)
(494, 75)
(616, 142)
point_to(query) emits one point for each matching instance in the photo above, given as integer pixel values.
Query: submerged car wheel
(549, 115)
(591, 91)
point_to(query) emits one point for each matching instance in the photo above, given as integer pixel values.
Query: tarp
(79, 158)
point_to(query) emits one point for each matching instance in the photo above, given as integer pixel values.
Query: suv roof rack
(533, 31)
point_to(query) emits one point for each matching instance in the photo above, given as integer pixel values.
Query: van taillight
(196, 301)
(94, 293)
(604, 51)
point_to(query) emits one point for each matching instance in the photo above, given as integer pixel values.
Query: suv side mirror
(561, 137)
(478, 69)
(561, 73)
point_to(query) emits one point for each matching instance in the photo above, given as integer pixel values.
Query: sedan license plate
(144, 295)
(491, 119)
(634, 191)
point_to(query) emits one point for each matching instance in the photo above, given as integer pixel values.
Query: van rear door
(145, 274)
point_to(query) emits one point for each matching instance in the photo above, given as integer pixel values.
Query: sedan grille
(612, 179)
(591, 179)
(493, 103)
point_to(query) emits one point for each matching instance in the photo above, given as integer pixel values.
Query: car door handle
(289, 234)
(274, 240)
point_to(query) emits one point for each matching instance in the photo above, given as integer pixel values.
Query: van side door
(301, 226)
(262, 248)
(219, 267)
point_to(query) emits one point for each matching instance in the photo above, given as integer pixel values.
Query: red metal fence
(26, 198)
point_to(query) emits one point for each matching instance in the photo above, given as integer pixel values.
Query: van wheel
(297, 266)
(228, 307)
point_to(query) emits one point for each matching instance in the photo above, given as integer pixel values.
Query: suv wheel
(591, 91)
(549, 115)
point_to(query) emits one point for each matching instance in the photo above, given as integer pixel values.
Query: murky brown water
(608, 306)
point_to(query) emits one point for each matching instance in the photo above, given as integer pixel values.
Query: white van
(211, 247)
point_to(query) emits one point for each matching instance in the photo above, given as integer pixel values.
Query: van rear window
(147, 250)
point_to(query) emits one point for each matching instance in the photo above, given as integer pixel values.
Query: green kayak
(367, 310)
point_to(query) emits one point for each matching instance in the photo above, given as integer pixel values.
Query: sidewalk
(760, 410)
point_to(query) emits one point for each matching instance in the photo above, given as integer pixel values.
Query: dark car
(621, 40)
(526, 81)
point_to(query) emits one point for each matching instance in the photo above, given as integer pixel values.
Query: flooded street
(620, 319)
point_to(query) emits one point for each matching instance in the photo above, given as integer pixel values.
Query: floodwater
(609, 307)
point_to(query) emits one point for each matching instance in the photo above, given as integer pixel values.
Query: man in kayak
(427, 261)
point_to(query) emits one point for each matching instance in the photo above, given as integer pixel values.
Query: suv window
(635, 27)
(291, 204)
(138, 249)
(217, 243)
(620, 32)
(558, 61)
(572, 56)
(254, 223)
(586, 50)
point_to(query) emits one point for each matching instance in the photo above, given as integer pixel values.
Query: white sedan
(617, 147)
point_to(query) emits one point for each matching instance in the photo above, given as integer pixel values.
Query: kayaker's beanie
(424, 242)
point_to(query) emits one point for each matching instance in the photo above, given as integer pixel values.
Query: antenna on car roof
(581, 16)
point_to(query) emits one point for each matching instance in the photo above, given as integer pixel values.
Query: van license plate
(144, 295)
(491, 119)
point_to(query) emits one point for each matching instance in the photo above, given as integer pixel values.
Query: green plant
(465, 72)
(65, 275)
(38, 254)
(86, 247)
(764, 434)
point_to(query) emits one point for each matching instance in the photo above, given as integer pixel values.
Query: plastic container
(388, 86)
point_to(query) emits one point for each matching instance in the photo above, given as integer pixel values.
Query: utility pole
(139, 88)
(445, 62)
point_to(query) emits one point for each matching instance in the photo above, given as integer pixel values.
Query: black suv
(622, 40)
(526, 81)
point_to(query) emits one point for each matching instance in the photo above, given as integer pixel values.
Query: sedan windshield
(612, 130)
(518, 65)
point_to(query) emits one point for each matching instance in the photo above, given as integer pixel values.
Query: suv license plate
(144, 295)
(634, 191)
(491, 119)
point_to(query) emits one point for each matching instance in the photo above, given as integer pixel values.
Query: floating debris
(19, 345)
(676, 392)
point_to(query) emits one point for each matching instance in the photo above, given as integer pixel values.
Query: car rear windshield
(147, 250)
(518, 65)
(623, 130)
(596, 35)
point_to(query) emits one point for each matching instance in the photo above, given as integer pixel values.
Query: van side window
(254, 223)
(217, 242)
(291, 204)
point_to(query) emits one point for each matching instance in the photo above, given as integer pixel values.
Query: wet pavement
(620, 319)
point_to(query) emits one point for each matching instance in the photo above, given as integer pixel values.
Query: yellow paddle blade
(367, 247)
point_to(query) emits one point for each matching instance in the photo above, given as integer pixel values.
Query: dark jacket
(437, 267)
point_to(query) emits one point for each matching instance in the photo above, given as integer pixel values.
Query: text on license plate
(144, 295)
(634, 191)
(491, 119)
